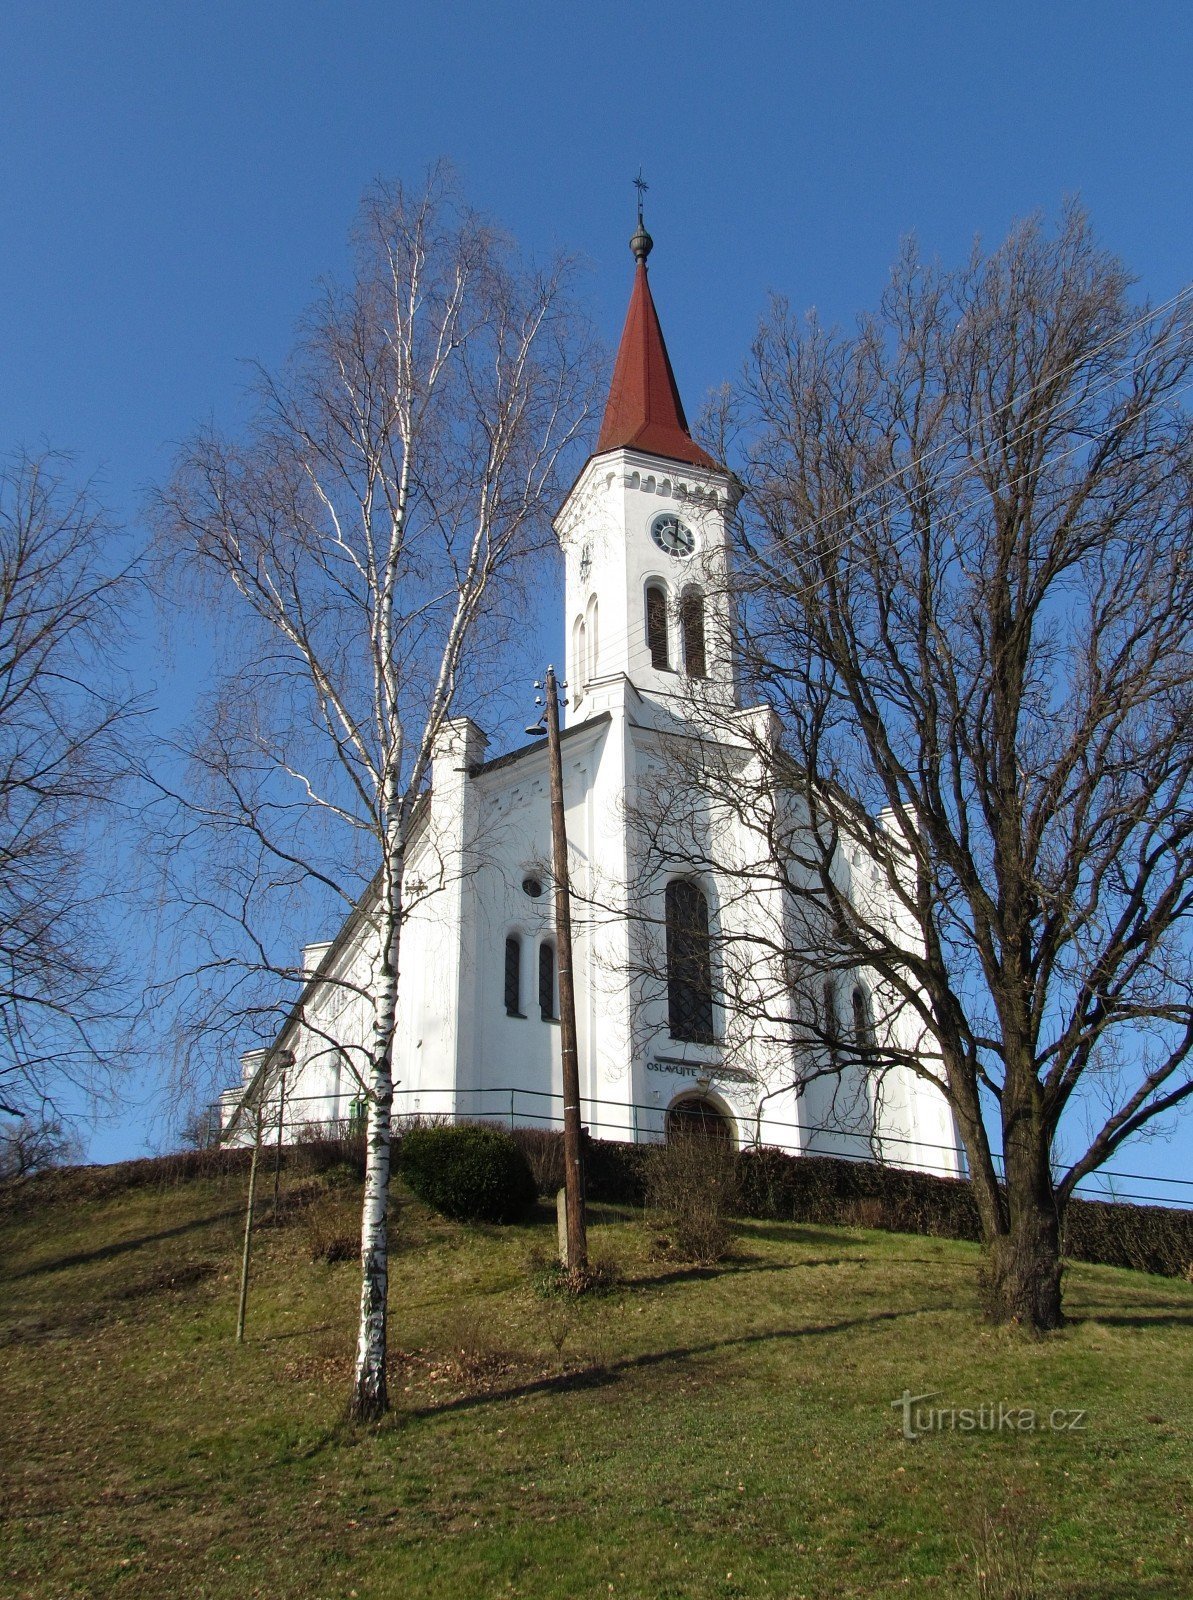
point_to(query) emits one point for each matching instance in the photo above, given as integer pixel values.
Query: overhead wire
(1106, 381)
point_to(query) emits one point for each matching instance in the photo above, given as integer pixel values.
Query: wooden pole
(248, 1232)
(277, 1154)
(573, 1150)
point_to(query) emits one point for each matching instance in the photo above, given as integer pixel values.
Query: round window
(533, 887)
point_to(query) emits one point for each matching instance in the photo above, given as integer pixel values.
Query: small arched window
(691, 627)
(513, 976)
(656, 625)
(548, 1010)
(689, 963)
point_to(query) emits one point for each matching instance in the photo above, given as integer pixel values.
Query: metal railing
(639, 1122)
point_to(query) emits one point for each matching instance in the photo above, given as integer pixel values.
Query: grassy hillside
(719, 1433)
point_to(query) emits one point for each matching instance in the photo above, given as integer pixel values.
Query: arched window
(547, 1007)
(579, 661)
(691, 627)
(832, 1021)
(656, 625)
(513, 976)
(590, 664)
(689, 963)
(863, 1032)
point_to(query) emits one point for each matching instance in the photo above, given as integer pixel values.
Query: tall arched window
(832, 1021)
(691, 627)
(689, 963)
(579, 661)
(656, 625)
(547, 1007)
(513, 976)
(863, 1032)
(590, 623)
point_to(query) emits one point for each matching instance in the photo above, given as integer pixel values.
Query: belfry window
(689, 963)
(863, 1033)
(656, 625)
(547, 1008)
(691, 627)
(513, 976)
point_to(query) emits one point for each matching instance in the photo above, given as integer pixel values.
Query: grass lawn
(719, 1433)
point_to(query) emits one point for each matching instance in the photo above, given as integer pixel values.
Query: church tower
(645, 541)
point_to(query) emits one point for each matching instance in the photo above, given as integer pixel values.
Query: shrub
(692, 1184)
(327, 1147)
(471, 1172)
(551, 1280)
(1005, 1548)
(543, 1149)
(331, 1235)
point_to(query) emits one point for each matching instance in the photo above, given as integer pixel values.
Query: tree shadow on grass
(799, 1233)
(614, 1371)
(294, 1333)
(1176, 1317)
(1135, 1587)
(120, 1247)
(694, 1272)
(738, 1264)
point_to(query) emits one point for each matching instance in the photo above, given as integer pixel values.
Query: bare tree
(65, 714)
(30, 1145)
(367, 530)
(965, 575)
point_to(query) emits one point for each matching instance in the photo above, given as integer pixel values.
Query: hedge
(826, 1189)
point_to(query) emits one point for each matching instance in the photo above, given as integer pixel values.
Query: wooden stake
(248, 1233)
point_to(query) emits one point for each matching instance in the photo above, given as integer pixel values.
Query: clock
(672, 536)
(585, 563)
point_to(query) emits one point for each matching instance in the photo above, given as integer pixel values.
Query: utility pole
(277, 1155)
(573, 1151)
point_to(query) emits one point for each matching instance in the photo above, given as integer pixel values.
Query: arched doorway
(697, 1116)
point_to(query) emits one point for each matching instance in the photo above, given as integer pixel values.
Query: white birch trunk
(370, 1398)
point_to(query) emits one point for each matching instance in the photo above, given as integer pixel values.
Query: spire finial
(641, 243)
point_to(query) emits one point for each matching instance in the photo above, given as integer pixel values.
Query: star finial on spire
(641, 243)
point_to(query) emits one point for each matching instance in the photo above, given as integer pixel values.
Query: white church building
(650, 659)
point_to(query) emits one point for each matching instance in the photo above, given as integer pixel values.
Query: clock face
(585, 562)
(672, 535)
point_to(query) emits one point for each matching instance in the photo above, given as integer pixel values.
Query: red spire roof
(644, 411)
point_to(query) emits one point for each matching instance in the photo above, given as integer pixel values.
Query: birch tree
(967, 590)
(367, 534)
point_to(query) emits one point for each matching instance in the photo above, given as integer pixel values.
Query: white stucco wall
(487, 828)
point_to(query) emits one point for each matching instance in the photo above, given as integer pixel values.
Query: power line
(1106, 381)
(622, 636)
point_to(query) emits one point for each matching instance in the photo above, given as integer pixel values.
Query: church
(650, 661)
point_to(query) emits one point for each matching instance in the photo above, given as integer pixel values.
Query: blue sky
(173, 178)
